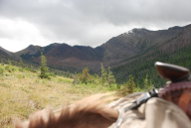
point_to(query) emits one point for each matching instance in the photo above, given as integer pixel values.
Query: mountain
(5, 55)
(142, 41)
(172, 45)
(63, 56)
(133, 52)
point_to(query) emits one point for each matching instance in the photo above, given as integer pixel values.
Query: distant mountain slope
(30, 52)
(144, 65)
(172, 46)
(6, 55)
(141, 41)
(63, 56)
(128, 53)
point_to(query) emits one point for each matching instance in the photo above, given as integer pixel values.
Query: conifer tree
(147, 83)
(131, 85)
(43, 68)
(103, 74)
(110, 77)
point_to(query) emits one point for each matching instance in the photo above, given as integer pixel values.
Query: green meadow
(23, 92)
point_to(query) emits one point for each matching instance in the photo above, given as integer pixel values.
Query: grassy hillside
(23, 92)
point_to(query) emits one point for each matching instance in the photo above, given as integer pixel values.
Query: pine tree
(44, 68)
(131, 85)
(110, 77)
(103, 74)
(147, 83)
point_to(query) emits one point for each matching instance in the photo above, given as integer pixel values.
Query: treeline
(139, 74)
(107, 79)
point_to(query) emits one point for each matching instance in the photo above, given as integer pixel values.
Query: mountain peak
(33, 47)
(175, 28)
(140, 30)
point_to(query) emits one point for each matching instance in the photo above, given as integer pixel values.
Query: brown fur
(87, 113)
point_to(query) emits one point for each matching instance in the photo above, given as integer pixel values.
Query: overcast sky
(84, 22)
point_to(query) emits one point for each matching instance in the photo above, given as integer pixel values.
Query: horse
(90, 112)
(94, 112)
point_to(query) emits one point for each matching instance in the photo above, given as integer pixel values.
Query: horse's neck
(86, 114)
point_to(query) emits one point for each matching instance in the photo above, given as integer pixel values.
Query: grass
(23, 92)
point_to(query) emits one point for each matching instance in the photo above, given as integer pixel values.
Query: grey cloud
(130, 11)
(75, 19)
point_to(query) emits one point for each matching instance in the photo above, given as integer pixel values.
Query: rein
(135, 104)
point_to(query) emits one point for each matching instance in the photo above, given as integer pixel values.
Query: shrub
(85, 77)
(129, 87)
(10, 68)
(1, 71)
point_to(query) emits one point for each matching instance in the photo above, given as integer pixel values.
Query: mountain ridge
(6, 55)
(119, 51)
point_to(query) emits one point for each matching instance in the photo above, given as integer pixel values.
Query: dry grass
(23, 92)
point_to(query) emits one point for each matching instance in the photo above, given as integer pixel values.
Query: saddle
(159, 108)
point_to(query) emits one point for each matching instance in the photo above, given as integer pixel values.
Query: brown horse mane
(91, 112)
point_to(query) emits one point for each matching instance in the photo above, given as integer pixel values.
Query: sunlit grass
(23, 92)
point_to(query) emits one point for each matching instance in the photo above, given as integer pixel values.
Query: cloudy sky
(84, 22)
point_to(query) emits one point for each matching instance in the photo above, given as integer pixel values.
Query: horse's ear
(172, 72)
